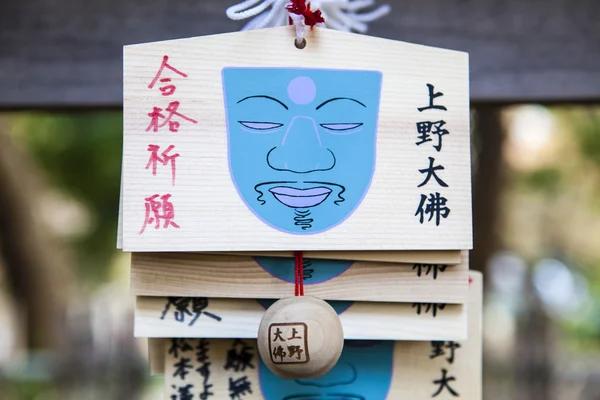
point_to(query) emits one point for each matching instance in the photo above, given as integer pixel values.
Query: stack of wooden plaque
(240, 149)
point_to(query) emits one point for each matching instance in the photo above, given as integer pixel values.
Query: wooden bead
(300, 337)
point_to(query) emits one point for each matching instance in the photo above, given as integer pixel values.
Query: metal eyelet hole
(300, 45)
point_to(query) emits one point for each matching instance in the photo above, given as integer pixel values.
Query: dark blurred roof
(68, 53)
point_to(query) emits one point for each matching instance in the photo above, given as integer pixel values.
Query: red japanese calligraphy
(166, 90)
(159, 208)
(163, 158)
(156, 116)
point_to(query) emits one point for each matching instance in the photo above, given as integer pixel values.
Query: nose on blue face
(301, 151)
(301, 143)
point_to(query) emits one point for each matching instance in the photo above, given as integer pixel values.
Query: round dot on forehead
(302, 90)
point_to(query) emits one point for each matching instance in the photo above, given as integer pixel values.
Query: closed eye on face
(341, 127)
(260, 126)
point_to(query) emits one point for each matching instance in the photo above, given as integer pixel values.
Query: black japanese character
(181, 305)
(428, 128)
(204, 370)
(429, 268)
(295, 350)
(278, 336)
(434, 206)
(178, 345)
(182, 367)
(451, 346)
(430, 171)
(190, 306)
(239, 357)
(418, 306)
(438, 348)
(279, 352)
(294, 333)
(424, 131)
(206, 392)
(183, 393)
(202, 351)
(239, 387)
(444, 383)
(432, 97)
(433, 307)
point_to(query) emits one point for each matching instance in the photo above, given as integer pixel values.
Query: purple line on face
(316, 131)
(300, 198)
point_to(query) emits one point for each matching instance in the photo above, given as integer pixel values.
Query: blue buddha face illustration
(301, 143)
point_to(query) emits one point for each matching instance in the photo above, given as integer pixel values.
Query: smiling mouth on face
(300, 198)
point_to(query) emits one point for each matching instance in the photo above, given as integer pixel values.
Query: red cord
(301, 7)
(299, 273)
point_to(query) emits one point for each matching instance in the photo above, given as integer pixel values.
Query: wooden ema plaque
(242, 142)
(219, 276)
(350, 153)
(188, 317)
(373, 370)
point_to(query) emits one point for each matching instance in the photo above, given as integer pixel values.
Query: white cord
(344, 15)
(299, 24)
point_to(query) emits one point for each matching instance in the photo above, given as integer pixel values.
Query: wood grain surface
(209, 214)
(237, 318)
(416, 366)
(194, 274)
